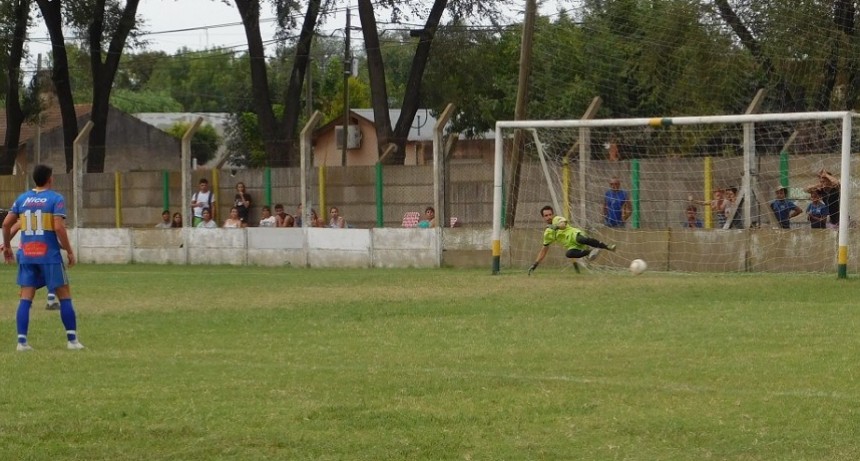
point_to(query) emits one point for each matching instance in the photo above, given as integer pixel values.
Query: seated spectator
(784, 209)
(429, 218)
(266, 219)
(165, 220)
(282, 218)
(297, 222)
(336, 221)
(234, 221)
(177, 220)
(692, 221)
(316, 221)
(208, 222)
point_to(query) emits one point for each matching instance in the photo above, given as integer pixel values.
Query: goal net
(662, 189)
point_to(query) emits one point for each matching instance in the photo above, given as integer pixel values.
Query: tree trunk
(103, 77)
(379, 94)
(276, 154)
(376, 72)
(51, 12)
(412, 97)
(14, 114)
(292, 101)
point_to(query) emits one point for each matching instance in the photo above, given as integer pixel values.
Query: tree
(277, 135)
(12, 44)
(118, 24)
(52, 14)
(397, 135)
(212, 80)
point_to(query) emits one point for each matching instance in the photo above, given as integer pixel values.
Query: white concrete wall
(310, 247)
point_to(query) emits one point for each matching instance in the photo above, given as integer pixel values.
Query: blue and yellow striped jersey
(36, 210)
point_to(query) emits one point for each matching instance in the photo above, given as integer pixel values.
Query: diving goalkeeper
(576, 243)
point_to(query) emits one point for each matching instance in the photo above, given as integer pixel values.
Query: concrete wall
(800, 250)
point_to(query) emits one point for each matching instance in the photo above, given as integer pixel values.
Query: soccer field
(249, 363)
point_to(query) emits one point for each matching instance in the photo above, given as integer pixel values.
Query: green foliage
(244, 141)
(383, 364)
(204, 143)
(144, 101)
(214, 80)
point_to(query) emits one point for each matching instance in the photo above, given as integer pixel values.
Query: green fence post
(379, 212)
(783, 169)
(165, 189)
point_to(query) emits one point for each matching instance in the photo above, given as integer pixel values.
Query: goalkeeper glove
(532, 269)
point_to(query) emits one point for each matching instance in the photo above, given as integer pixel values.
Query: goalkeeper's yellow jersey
(566, 237)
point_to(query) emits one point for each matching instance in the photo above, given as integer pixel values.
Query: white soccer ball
(638, 266)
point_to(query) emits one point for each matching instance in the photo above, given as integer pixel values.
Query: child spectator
(784, 209)
(816, 211)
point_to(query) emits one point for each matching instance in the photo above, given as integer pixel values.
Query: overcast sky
(200, 24)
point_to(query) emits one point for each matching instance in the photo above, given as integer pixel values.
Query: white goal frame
(748, 121)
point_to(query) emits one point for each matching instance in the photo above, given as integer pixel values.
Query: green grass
(233, 363)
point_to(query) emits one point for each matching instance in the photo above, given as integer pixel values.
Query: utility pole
(520, 109)
(347, 72)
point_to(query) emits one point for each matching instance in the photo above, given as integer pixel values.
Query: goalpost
(669, 166)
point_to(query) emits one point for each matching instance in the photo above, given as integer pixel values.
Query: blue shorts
(37, 276)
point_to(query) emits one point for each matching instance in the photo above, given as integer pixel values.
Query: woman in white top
(336, 221)
(233, 222)
(267, 219)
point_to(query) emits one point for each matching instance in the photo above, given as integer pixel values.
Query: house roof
(421, 129)
(50, 118)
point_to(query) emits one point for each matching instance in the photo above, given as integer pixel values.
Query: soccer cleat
(53, 304)
(593, 254)
(24, 347)
(74, 346)
(611, 247)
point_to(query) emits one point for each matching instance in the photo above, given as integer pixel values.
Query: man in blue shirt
(41, 214)
(616, 205)
(784, 209)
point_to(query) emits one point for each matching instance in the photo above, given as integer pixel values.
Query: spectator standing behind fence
(783, 208)
(828, 188)
(165, 222)
(203, 198)
(616, 205)
(733, 208)
(242, 202)
(177, 220)
(208, 222)
(336, 221)
(718, 206)
(816, 211)
(692, 221)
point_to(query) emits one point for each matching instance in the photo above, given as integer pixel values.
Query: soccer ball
(638, 266)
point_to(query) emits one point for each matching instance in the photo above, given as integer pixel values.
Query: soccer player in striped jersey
(41, 213)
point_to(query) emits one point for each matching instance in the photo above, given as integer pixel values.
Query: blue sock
(23, 319)
(67, 315)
